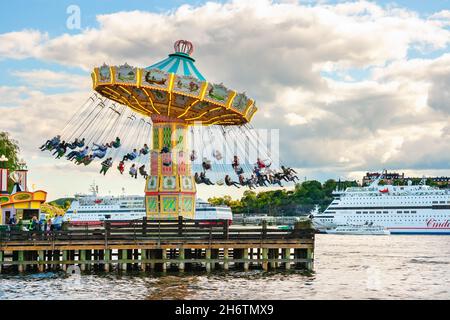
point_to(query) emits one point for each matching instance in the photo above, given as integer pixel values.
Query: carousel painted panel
(155, 79)
(240, 103)
(152, 183)
(181, 101)
(187, 85)
(154, 158)
(166, 159)
(159, 97)
(217, 93)
(187, 184)
(169, 183)
(181, 162)
(151, 204)
(125, 74)
(201, 106)
(251, 112)
(104, 74)
(169, 204)
(187, 204)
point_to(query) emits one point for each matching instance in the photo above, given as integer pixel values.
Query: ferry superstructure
(411, 209)
(94, 209)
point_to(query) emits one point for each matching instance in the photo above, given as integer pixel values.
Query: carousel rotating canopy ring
(174, 88)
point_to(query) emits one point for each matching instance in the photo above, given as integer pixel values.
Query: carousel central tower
(175, 95)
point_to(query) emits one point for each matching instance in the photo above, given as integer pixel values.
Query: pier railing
(136, 230)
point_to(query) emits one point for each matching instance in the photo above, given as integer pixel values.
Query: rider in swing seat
(116, 143)
(130, 156)
(142, 171)
(121, 167)
(106, 165)
(133, 171)
(205, 180)
(51, 144)
(145, 150)
(229, 182)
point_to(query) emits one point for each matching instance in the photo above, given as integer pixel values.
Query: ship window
(399, 212)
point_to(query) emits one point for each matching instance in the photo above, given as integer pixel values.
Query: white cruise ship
(94, 209)
(411, 209)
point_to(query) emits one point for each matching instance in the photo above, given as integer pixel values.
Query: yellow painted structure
(19, 203)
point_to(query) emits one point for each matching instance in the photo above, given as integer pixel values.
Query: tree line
(301, 200)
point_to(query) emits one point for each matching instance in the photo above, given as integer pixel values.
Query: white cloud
(395, 114)
(50, 79)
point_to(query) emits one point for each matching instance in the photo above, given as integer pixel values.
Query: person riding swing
(205, 180)
(142, 171)
(133, 171)
(229, 182)
(106, 165)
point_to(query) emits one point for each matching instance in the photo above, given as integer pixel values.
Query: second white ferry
(94, 209)
(411, 209)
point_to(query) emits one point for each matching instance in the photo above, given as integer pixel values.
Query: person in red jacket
(121, 167)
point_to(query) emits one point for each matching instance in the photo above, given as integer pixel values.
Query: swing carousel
(170, 116)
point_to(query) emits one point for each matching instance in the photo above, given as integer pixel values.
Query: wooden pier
(157, 246)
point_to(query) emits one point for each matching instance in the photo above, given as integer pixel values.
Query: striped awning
(179, 63)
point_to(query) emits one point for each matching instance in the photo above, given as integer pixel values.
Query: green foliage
(9, 148)
(62, 203)
(301, 200)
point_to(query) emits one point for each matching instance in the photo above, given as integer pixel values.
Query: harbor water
(346, 267)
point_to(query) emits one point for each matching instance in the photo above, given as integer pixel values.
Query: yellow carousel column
(170, 188)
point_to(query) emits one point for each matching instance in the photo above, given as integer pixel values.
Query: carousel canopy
(175, 89)
(180, 62)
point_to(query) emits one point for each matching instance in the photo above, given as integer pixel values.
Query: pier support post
(310, 257)
(143, 258)
(107, 258)
(181, 256)
(1, 261)
(21, 266)
(245, 257)
(164, 256)
(41, 259)
(208, 260)
(265, 256)
(225, 259)
(82, 260)
(273, 254)
(286, 253)
(123, 257)
(152, 257)
(64, 260)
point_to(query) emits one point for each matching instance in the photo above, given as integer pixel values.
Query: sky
(353, 86)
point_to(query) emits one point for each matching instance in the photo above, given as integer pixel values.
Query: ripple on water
(346, 267)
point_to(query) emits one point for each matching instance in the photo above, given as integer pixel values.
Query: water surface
(346, 267)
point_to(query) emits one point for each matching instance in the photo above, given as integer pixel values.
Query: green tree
(10, 149)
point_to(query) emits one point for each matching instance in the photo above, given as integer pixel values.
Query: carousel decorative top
(174, 88)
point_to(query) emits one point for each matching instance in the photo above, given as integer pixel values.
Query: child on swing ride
(133, 171)
(106, 165)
